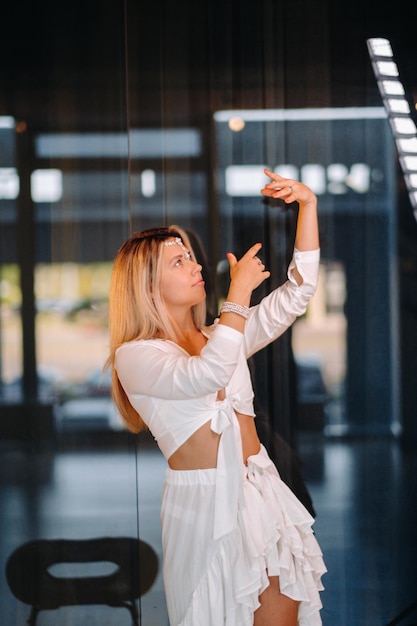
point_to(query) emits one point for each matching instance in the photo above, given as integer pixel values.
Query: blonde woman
(238, 547)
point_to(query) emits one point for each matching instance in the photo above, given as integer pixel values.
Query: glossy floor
(364, 493)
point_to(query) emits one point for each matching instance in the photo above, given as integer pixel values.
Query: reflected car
(88, 405)
(88, 413)
(49, 385)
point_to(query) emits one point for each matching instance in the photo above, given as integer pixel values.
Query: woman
(237, 544)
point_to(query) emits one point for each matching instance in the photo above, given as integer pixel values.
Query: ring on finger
(258, 260)
(291, 189)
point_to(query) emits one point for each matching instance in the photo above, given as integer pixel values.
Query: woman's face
(181, 283)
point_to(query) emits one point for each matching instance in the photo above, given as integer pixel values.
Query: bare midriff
(200, 450)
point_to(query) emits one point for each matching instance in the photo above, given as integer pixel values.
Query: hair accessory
(178, 241)
(232, 307)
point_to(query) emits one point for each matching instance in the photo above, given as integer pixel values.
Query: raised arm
(248, 273)
(288, 190)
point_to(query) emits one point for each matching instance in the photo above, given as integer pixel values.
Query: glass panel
(124, 116)
(352, 178)
(68, 470)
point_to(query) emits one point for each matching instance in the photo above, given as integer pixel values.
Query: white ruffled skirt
(212, 582)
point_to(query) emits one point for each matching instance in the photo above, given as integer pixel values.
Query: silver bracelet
(232, 307)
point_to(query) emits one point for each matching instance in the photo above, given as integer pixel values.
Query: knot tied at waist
(225, 414)
(229, 466)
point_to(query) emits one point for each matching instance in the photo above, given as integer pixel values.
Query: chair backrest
(29, 578)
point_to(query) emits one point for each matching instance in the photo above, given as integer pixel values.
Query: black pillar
(26, 260)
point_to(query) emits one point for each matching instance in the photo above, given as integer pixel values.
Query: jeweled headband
(179, 242)
(161, 234)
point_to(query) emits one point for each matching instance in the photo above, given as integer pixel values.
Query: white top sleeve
(278, 310)
(162, 369)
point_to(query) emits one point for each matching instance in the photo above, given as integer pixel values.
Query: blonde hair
(136, 309)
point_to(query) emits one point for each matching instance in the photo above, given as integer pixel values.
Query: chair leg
(33, 615)
(131, 607)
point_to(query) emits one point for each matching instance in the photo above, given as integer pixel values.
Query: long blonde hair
(136, 309)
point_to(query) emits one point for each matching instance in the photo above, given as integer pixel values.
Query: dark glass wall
(115, 117)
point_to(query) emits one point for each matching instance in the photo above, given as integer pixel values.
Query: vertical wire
(130, 208)
(137, 516)
(279, 410)
(213, 212)
(268, 18)
(127, 103)
(289, 420)
(163, 48)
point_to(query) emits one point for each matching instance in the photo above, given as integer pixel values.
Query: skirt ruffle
(273, 537)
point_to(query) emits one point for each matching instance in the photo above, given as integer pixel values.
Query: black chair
(31, 582)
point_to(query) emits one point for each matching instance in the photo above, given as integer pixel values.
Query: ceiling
(108, 65)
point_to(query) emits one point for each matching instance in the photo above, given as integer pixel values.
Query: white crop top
(175, 393)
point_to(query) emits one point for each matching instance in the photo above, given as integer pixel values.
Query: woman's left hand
(287, 189)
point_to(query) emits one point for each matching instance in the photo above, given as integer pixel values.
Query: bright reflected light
(391, 88)
(398, 105)
(314, 176)
(380, 47)
(236, 124)
(407, 145)
(287, 171)
(244, 180)
(141, 143)
(148, 184)
(337, 174)
(9, 183)
(46, 185)
(6, 121)
(335, 179)
(403, 125)
(409, 163)
(358, 178)
(395, 107)
(297, 115)
(412, 180)
(386, 68)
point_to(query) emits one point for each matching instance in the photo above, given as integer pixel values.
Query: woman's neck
(182, 324)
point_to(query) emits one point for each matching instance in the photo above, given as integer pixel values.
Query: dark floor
(364, 493)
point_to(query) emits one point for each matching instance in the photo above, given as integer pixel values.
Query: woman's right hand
(246, 274)
(289, 190)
